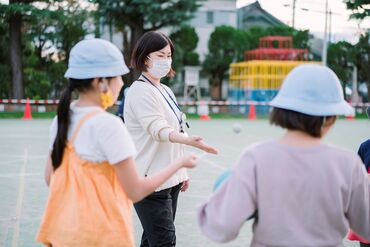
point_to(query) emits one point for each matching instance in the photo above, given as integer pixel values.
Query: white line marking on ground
(12, 175)
(19, 201)
(11, 161)
(13, 137)
(38, 157)
(31, 157)
(228, 147)
(213, 164)
(202, 155)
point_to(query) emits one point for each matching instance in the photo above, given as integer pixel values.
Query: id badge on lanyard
(183, 120)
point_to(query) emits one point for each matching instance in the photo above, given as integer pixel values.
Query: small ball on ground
(237, 128)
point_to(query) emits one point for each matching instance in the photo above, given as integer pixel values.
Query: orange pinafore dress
(86, 205)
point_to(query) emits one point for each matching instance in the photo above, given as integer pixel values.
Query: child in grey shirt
(300, 191)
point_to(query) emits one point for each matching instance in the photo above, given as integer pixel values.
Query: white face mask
(160, 67)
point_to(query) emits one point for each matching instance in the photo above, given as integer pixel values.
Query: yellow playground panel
(260, 74)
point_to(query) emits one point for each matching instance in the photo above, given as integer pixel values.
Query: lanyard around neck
(168, 103)
(169, 95)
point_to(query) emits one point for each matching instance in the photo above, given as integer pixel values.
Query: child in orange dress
(91, 170)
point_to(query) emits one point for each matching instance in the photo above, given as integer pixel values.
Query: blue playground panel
(237, 94)
(260, 95)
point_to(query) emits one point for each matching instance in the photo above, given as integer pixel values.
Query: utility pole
(293, 17)
(325, 45)
(330, 36)
(354, 97)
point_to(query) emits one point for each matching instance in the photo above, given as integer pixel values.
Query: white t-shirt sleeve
(53, 132)
(115, 142)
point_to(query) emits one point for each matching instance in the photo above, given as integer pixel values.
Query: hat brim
(313, 108)
(89, 72)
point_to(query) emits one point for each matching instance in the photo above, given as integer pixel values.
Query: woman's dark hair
(63, 116)
(293, 120)
(150, 42)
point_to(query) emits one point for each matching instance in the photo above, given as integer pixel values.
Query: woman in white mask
(157, 127)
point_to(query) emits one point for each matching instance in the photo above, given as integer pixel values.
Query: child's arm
(48, 170)
(222, 216)
(136, 187)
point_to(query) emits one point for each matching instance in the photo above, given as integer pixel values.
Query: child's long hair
(63, 114)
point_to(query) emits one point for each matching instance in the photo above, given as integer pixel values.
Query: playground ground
(24, 145)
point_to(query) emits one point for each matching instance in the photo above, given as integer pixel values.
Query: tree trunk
(220, 78)
(42, 61)
(126, 46)
(136, 33)
(15, 26)
(216, 88)
(367, 81)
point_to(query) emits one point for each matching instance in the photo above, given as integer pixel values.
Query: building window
(209, 17)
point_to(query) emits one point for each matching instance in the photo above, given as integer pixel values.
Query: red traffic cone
(252, 112)
(203, 111)
(204, 117)
(350, 117)
(27, 110)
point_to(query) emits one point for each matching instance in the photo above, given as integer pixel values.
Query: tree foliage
(48, 31)
(5, 78)
(362, 60)
(224, 47)
(340, 60)
(185, 41)
(360, 8)
(300, 37)
(342, 56)
(135, 17)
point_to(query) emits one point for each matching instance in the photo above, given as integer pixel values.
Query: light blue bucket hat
(314, 90)
(94, 58)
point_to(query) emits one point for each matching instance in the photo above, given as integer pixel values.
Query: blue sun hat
(94, 58)
(314, 90)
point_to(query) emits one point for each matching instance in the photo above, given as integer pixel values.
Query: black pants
(157, 215)
(364, 245)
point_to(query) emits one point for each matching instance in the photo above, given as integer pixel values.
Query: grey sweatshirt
(301, 196)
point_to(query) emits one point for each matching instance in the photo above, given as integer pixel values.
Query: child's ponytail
(63, 124)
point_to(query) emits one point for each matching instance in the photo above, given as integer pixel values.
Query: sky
(342, 28)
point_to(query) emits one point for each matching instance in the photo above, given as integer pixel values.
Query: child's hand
(188, 161)
(185, 186)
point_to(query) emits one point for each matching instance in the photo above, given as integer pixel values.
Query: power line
(320, 11)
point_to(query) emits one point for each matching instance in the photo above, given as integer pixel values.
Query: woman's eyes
(164, 56)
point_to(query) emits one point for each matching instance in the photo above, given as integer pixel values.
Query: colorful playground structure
(259, 77)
